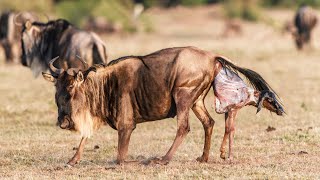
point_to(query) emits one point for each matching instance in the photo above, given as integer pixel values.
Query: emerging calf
(137, 89)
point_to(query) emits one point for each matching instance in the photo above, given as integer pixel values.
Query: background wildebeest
(10, 32)
(43, 41)
(137, 89)
(305, 20)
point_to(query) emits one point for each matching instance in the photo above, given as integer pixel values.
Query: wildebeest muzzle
(65, 122)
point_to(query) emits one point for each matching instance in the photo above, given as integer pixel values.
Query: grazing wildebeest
(10, 32)
(305, 20)
(43, 41)
(137, 89)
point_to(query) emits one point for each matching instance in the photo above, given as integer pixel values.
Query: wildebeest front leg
(208, 123)
(229, 133)
(123, 144)
(77, 156)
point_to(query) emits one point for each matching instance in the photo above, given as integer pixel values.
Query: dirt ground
(32, 147)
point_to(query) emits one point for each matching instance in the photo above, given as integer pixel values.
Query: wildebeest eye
(70, 87)
(68, 97)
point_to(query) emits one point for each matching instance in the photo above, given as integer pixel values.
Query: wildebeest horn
(54, 69)
(85, 64)
(46, 15)
(34, 15)
(15, 19)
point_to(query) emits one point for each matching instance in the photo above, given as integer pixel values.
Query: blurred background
(256, 34)
(122, 14)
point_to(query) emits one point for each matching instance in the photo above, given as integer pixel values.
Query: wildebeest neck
(100, 91)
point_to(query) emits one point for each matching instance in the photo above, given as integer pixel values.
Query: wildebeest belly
(152, 102)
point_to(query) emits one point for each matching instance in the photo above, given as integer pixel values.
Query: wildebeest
(305, 20)
(10, 32)
(43, 41)
(137, 89)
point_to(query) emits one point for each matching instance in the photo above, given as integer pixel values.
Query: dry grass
(32, 147)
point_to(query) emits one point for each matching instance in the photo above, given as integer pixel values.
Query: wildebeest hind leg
(76, 158)
(183, 102)
(202, 114)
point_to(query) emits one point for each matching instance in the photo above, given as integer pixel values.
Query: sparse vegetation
(32, 147)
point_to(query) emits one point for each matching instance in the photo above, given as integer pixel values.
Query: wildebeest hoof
(230, 160)
(223, 156)
(68, 165)
(71, 163)
(157, 160)
(202, 159)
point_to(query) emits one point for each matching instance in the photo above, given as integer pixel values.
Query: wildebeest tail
(99, 53)
(253, 77)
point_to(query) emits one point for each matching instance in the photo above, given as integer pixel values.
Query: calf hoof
(202, 159)
(72, 162)
(161, 161)
(68, 166)
(230, 160)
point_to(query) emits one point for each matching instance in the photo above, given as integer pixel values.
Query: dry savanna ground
(32, 147)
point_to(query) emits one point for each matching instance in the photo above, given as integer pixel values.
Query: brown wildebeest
(10, 32)
(137, 89)
(43, 41)
(305, 20)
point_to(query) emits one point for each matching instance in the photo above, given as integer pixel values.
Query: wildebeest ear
(48, 77)
(28, 24)
(79, 77)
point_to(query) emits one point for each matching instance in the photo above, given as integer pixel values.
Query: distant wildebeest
(10, 32)
(232, 27)
(43, 41)
(101, 25)
(305, 20)
(137, 89)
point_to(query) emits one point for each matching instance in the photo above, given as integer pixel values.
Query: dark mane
(4, 23)
(115, 61)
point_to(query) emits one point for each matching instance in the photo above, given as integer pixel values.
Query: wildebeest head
(37, 43)
(268, 100)
(29, 42)
(69, 98)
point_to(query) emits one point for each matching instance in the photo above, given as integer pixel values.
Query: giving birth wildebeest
(137, 89)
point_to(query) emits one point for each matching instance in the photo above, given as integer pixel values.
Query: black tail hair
(257, 82)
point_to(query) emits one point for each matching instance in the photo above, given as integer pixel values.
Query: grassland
(32, 147)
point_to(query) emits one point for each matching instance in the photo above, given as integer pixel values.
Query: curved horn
(34, 15)
(85, 64)
(15, 19)
(46, 15)
(54, 69)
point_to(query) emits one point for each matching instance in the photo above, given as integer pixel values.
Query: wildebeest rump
(137, 89)
(10, 32)
(305, 20)
(43, 41)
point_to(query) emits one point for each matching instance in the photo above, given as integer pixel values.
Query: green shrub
(21, 5)
(244, 9)
(117, 11)
(289, 3)
(193, 2)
